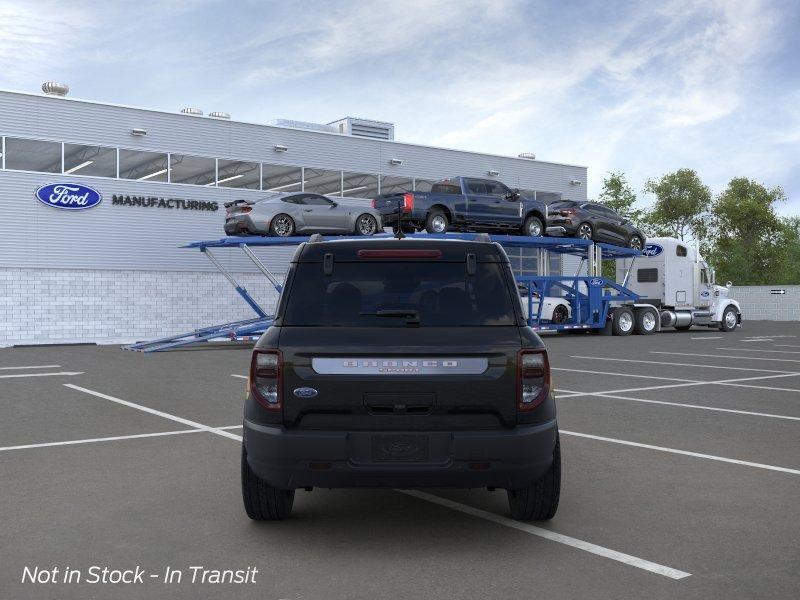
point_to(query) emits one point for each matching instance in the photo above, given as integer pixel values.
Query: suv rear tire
(262, 502)
(539, 501)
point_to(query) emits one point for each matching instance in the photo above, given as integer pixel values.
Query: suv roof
(451, 250)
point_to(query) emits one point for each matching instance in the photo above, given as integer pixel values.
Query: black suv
(591, 221)
(400, 363)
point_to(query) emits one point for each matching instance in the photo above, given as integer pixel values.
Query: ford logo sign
(652, 250)
(705, 294)
(68, 196)
(305, 392)
(595, 282)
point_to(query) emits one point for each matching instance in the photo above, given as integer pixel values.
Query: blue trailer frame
(590, 296)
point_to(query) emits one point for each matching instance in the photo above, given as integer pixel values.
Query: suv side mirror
(334, 204)
(513, 195)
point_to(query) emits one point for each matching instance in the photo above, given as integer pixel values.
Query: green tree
(618, 195)
(681, 206)
(751, 244)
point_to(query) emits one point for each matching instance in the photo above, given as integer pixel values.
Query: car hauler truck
(671, 276)
(665, 285)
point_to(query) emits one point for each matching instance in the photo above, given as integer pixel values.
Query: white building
(116, 272)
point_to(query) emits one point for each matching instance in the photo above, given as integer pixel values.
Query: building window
(280, 178)
(324, 182)
(359, 185)
(194, 170)
(97, 161)
(33, 155)
(237, 174)
(423, 185)
(396, 185)
(143, 166)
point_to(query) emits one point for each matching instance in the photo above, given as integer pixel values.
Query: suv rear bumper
(290, 459)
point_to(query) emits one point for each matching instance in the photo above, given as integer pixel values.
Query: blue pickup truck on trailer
(465, 204)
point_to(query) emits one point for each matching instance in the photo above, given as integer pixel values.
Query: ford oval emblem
(652, 250)
(305, 392)
(705, 293)
(595, 282)
(68, 196)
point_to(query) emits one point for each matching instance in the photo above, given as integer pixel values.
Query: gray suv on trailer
(400, 363)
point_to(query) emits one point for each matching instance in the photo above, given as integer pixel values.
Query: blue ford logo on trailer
(596, 281)
(68, 196)
(652, 250)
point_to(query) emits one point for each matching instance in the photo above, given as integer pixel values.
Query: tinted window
(442, 293)
(195, 170)
(144, 166)
(495, 188)
(681, 250)
(315, 200)
(647, 275)
(98, 161)
(294, 199)
(33, 155)
(475, 186)
(446, 187)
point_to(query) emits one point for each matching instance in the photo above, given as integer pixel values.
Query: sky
(639, 87)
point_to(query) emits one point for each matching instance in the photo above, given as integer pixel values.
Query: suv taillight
(533, 378)
(265, 378)
(374, 201)
(408, 202)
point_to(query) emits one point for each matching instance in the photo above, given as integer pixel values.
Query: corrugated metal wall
(123, 237)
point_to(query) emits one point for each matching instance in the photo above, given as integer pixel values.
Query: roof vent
(527, 155)
(377, 130)
(192, 111)
(219, 115)
(51, 88)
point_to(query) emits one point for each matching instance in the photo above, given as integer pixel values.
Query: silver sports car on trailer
(293, 213)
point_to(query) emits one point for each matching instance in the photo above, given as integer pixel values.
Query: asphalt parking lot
(681, 477)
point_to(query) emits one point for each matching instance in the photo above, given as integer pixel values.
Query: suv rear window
(446, 187)
(441, 292)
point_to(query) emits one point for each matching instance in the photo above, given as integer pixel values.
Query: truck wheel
(533, 227)
(645, 323)
(539, 501)
(282, 225)
(262, 502)
(729, 319)
(436, 222)
(623, 322)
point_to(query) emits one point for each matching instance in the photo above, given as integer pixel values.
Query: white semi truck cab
(672, 277)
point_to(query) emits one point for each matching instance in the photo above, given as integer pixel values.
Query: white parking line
(571, 394)
(793, 360)
(731, 382)
(239, 376)
(683, 452)
(31, 367)
(62, 373)
(760, 350)
(111, 438)
(655, 362)
(708, 337)
(547, 534)
(623, 374)
(158, 413)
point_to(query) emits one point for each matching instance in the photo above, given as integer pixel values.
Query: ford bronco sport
(404, 364)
